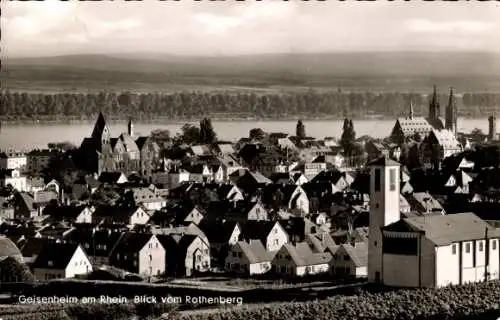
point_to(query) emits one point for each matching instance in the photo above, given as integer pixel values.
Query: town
(158, 208)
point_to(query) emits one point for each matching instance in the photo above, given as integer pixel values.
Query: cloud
(210, 27)
(458, 27)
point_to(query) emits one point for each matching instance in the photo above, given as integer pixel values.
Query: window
(377, 180)
(346, 258)
(335, 257)
(392, 179)
(239, 255)
(494, 245)
(481, 246)
(235, 254)
(454, 249)
(198, 258)
(276, 241)
(150, 258)
(50, 263)
(467, 247)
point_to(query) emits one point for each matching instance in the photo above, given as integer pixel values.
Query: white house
(300, 260)
(13, 160)
(272, 235)
(428, 250)
(61, 260)
(440, 250)
(350, 260)
(14, 178)
(248, 258)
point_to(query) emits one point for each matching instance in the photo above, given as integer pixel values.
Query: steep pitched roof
(131, 242)
(302, 255)
(358, 253)
(128, 143)
(218, 231)
(99, 127)
(254, 230)
(255, 251)
(55, 255)
(410, 125)
(446, 138)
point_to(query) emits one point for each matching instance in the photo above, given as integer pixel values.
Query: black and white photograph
(259, 159)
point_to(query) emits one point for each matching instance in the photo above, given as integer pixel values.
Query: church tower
(101, 134)
(434, 107)
(130, 128)
(410, 115)
(451, 114)
(384, 210)
(492, 132)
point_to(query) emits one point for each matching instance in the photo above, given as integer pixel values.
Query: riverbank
(181, 121)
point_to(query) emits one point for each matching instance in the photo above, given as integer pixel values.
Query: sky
(215, 28)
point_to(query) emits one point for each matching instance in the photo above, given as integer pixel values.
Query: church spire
(130, 127)
(101, 129)
(451, 113)
(434, 108)
(411, 110)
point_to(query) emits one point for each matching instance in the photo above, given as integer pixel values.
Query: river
(25, 137)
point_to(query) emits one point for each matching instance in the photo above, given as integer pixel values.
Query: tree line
(189, 105)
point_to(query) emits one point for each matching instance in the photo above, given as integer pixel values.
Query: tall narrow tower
(492, 132)
(130, 128)
(434, 107)
(411, 110)
(384, 210)
(451, 116)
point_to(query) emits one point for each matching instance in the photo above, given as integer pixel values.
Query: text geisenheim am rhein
(138, 299)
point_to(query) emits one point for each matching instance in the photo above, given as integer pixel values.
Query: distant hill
(359, 71)
(350, 64)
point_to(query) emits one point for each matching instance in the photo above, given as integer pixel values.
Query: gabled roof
(114, 213)
(256, 230)
(302, 255)
(128, 143)
(423, 202)
(99, 126)
(33, 246)
(55, 255)
(444, 229)
(358, 253)
(255, 251)
(218, 231)
(131, 242)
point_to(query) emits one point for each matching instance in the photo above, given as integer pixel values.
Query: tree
(347, 140)
(190, 134)
(16, 270)
(257, 134)
(300, 130)
(207, 132)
